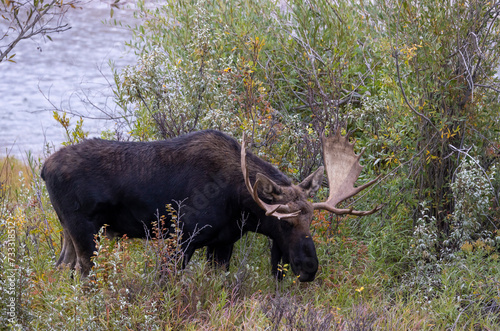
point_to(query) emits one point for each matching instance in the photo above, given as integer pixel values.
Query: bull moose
(126, 185)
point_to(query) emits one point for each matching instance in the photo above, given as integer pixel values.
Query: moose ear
(313, 182)
(267, 188)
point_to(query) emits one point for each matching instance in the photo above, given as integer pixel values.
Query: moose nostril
(306, 277)
(310, 266)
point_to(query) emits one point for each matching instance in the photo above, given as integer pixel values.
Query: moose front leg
(219, 256)
(277, 263)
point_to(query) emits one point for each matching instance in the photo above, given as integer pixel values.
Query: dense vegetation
(415, 83)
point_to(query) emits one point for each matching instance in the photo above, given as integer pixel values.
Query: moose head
(289, 204)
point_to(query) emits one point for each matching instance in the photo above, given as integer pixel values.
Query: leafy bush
(472, 218)
(471, 229)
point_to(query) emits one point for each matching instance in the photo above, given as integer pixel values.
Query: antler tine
(365, 185)
(343, 169)
(368, 212)
(361, 153)
(271, 210)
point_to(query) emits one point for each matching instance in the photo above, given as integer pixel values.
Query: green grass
(137, 284)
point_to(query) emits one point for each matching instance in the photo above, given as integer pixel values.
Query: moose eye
(288, 223)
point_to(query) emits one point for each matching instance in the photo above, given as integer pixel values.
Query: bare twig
(35, 23)
(496, 89)
(396, 56)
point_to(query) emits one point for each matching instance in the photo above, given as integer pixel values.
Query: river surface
(72, 71)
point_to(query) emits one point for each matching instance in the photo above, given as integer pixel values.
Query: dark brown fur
(126, 185)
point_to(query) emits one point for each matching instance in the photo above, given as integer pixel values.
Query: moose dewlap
(127, 185)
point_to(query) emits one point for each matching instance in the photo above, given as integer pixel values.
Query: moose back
(126, 185)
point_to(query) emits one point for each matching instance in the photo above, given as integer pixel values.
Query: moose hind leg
(68, 253)
(81, 232)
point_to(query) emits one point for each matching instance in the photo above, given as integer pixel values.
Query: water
(71, 71)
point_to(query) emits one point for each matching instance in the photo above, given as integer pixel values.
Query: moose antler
(279, 211)
(343, 169)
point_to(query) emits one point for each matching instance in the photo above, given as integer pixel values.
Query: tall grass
(138, 285)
